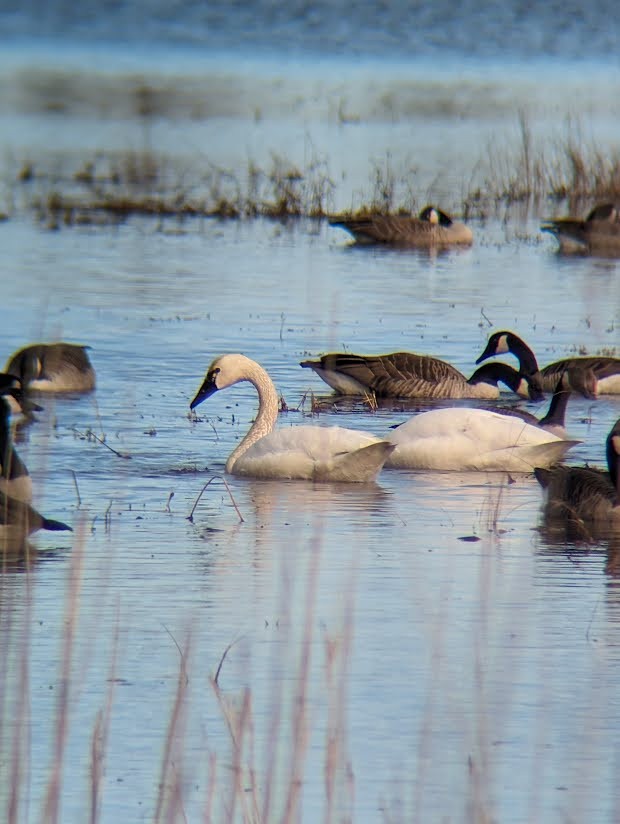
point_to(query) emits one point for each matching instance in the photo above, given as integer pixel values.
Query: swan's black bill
(207, 389)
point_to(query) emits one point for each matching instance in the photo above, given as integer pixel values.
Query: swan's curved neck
(267, 412)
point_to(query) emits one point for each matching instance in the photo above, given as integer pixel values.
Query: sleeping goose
(585, 493)
(605, 369)
(599, 232)
(53, 367)
(303, 452)
(408, 375)
(466, 439)
(18, 520)
(431, 228)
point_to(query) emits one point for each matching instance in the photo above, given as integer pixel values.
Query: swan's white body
(473, 439)
(303, 452)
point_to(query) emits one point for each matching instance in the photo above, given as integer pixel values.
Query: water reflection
(571, 539)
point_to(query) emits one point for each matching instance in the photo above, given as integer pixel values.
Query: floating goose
(473, 439)
(585, 493)
(431, 228)
(15, 480)
(53, 367)
(605, 369)
(408, 375)
(599, 232)
(18, 520)
(303, 452)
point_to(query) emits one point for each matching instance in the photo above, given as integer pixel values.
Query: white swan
(303, 452)
(473, 439)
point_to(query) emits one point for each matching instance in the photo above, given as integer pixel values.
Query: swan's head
(223, 372)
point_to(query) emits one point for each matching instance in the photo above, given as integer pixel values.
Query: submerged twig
(222, 659)
(190, 517)
(90, 433)
(77, 491)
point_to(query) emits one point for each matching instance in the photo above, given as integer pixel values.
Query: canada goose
(431, 228)
(408, 375)
(574, 379)
(585, 493)
(605, 369)
(303, 452)
(18, 520)
(599, 232)
(15, 480)
(53, 367)
(466, 439)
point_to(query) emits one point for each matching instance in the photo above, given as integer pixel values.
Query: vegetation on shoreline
(568, 174)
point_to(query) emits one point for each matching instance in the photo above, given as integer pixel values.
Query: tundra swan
(303, 452)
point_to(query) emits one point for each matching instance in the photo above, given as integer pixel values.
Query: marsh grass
(568, 171)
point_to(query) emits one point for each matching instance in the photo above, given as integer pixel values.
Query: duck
(466, 439)
(15, 479)
(53, 367)
(598, 233)
(585, 494)
(409, 375)
(313, 453)
(432, 228)
(18, 520)
(554, 421)
(606, 369)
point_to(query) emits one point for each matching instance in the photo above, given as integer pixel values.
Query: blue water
(448, 680)
(394, 30)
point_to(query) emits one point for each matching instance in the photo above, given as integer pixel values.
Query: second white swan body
(473, 439)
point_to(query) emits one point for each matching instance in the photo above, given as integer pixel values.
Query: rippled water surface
(419, 649)
(451, 674)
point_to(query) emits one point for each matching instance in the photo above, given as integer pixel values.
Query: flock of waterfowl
(457, 438)
(598, 233)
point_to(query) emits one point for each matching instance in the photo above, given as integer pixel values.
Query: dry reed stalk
(170, 795)
(21, 713)
(101, 731)
(337, 768)
(190, 517)
(52, 796)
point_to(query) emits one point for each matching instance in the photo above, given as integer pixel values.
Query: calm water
(428, 677)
